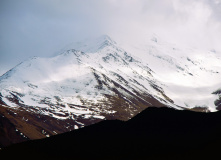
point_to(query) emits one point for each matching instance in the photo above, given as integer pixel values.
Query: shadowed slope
(155, 133)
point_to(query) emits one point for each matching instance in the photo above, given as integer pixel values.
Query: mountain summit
(92, 45)
(97, 79)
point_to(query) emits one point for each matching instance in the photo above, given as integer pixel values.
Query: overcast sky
(42, 27)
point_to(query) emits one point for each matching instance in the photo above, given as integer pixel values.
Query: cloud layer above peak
(40, 28)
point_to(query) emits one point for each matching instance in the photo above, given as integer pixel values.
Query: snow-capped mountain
(100, 79)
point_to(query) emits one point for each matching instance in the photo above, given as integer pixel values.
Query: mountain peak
(92, 44)
(106, 38)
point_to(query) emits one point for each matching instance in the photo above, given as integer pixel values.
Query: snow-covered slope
(189, 75)
(100, 79)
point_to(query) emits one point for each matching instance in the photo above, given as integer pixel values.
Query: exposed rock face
(218, 101)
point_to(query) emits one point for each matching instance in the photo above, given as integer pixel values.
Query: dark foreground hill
(156, 133)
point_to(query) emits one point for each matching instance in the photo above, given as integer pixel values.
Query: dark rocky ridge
(218, 100)
(156, 133)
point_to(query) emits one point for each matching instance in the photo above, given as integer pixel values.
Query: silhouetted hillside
(156, 133)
